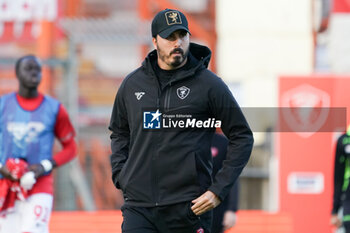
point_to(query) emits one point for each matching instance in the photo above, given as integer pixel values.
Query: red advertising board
(306, 157)
(341, 6)
(20, 20)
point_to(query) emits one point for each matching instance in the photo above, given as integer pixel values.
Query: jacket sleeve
(234, 125)
(2, 157)
(339, 169)
(120, 136)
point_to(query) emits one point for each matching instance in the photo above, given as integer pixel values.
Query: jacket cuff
(217, 193)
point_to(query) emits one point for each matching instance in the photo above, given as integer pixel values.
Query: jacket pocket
(190, 213)
(189, 172)
(178, 177)
(121, 178)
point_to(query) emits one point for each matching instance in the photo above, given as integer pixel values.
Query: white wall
(259, 40)
(339, 45)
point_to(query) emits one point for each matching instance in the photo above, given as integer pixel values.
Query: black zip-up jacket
(162, 167)
(341, 190)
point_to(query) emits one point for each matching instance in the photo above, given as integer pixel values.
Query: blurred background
(271, 53)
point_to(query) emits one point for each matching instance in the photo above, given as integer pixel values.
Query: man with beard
(164, 170)
(29, 122)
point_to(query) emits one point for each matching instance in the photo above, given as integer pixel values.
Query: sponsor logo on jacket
(157, 120)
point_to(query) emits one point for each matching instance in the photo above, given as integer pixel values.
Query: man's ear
(154, 42)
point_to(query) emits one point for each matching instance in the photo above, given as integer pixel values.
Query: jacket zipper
(155, 178)
(167, 98)
(155, 154)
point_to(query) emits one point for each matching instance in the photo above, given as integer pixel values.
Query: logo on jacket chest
(182, 92)
(139, 95)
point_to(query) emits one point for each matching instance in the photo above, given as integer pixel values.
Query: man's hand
(335, 221)
(7, 174)
(38, 169)
(205, 202)
(230, 219)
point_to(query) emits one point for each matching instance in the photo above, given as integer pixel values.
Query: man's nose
(178, 42)
(35, 73)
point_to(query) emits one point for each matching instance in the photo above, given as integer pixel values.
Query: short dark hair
(19, 61)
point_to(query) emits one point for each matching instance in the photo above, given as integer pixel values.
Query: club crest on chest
(183, 92)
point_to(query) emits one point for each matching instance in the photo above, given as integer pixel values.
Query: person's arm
(237, 131)
(339, 169)
(120, 136)
(3, 169)
(6, 173)
(65, 133)
(234, 125)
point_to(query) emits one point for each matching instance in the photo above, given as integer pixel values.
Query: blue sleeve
(2, 157)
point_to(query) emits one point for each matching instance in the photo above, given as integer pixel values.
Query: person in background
(224, 215)
(165, 175)
(341, 189)
(29, 122)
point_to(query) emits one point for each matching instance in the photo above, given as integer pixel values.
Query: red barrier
(306, 158)
(110, 222)
(262, 222)
(86, 222)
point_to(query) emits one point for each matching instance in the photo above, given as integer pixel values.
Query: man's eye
(171, 37)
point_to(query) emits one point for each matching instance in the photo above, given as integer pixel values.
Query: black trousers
(176, 218)
(218, 217)
(346, 215)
